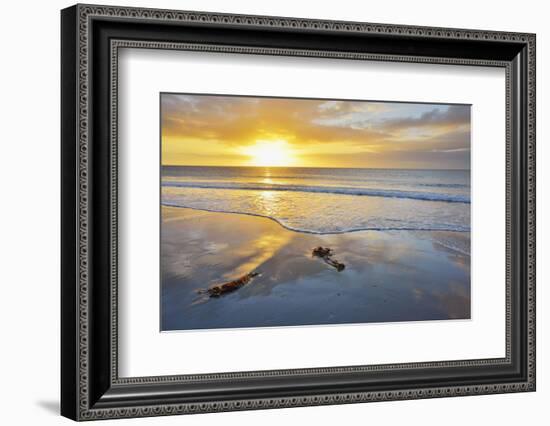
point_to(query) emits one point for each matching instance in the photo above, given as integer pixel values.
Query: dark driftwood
(221, 289)
(326, 253)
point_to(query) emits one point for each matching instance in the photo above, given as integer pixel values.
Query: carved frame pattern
(85, 13)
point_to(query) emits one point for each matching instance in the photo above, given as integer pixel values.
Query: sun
(270, 153)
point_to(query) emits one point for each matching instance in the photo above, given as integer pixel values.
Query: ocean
(410, 262)
(327, 200)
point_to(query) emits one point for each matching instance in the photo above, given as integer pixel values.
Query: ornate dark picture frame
(90, 385)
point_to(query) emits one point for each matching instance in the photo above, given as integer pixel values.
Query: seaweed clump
(326, 254)
(228, 287)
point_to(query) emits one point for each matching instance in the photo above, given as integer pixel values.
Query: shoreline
(389, 275)
(302, 231)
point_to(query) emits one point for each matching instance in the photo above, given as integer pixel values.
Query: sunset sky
(253, 131)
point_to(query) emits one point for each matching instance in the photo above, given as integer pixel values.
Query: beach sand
(389, 275)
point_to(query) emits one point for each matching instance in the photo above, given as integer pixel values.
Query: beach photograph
(279, 211)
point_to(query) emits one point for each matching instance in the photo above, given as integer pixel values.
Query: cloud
(238, 120)
(453, 116)
(194, 124)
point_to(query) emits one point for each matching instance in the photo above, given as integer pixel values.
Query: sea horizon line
(315, 167)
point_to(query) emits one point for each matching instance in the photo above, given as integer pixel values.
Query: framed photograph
(263, 212)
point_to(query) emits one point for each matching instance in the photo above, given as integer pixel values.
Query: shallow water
(323, 200)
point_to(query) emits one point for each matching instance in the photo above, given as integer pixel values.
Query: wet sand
(389, 275)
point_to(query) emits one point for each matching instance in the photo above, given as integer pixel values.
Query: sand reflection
(256, 252)
(389, 275)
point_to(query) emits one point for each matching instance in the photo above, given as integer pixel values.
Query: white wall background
(29, 212)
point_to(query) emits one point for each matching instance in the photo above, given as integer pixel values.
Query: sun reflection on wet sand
(257, 252)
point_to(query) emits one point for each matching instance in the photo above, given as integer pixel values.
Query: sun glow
(270, 153)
